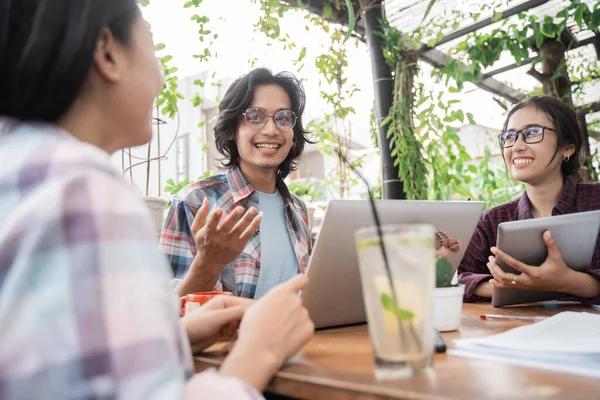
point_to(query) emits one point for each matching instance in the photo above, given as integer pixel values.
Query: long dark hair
(47, 49)
(238, 99)
(564, 119)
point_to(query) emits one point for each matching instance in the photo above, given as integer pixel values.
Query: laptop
(334, 296)
(575, 234)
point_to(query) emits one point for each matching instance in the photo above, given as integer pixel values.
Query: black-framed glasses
(531, 134)
(256, 118)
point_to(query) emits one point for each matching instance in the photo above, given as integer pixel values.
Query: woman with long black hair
(86, 305)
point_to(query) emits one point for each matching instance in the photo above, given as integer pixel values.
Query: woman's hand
(272, 330)
(550, 276)
(219, 243)
(217, 320)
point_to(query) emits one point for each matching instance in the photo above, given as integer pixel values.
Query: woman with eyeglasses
(541, 144)
(243, 231)
(87, 310)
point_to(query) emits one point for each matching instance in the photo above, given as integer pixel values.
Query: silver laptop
(575, 234)
(333, 296)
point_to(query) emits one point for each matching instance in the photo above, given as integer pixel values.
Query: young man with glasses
(243, 231)
(541, 142)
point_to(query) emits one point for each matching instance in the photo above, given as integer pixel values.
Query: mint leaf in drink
(388, 304)
(403, 315)
(387, 301)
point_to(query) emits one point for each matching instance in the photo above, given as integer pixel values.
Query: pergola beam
(488, 21)
(509, 67)
(590, 108)
(439, 60)
(434, 57)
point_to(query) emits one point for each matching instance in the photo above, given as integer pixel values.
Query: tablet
(575, 234)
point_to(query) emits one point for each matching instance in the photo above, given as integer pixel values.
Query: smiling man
(243, 231)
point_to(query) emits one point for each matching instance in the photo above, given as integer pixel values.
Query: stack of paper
(567, 342)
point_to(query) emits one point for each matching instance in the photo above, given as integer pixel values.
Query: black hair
(47, 49)
(238, 99)
(564, 119)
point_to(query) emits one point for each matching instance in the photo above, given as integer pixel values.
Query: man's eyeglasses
(256, 118)
(531, 134)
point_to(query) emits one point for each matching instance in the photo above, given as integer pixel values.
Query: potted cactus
(447, 296)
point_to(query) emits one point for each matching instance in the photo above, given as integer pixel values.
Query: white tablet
(575, 234)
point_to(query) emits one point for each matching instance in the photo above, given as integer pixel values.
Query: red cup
(192, 301)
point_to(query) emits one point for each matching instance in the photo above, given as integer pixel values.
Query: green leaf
(428, 10)
(549, 30)
(471, 119)
(300, 3)
(581, 9)
(403, 315)
(497, 16)
(539, 36)
(387, 301)
(594, 22)
(460, 115)
(160, 46)
(302, 54)
(450, 118)
(351, 19)
(388, 304)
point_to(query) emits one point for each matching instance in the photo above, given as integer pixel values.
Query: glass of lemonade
(400, 320)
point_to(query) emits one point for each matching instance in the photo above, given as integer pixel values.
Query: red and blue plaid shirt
(86, 305)
(227, 191)
(574, 197)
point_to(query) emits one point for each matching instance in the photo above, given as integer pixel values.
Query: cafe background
(451, 121)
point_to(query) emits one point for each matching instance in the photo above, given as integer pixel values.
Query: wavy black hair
(238, 99)
(564, 119)
(47, 49)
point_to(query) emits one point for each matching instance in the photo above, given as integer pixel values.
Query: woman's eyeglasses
(256, 118)
(531, 134)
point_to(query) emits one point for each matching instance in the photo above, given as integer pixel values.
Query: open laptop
(575, 235)
(333, 296)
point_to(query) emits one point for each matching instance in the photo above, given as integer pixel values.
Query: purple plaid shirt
(86, 305)
(574, 197)
(227, 191)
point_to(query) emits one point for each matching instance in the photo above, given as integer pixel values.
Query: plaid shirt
(574, 197)
(86, 306)
(227, 191)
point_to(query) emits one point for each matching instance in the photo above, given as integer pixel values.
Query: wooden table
(338, 363)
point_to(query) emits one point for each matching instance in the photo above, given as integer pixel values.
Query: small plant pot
(447, 307)
(157, 207)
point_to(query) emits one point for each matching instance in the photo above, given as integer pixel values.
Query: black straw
(383, 250)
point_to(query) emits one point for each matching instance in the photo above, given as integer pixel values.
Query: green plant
(174, 188)
(304, 189)
(444, 272)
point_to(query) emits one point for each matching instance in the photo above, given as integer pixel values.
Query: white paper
(557, 365)
(566, 332)
(567, 342)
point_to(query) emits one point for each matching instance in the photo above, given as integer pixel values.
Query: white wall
(189, 135)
